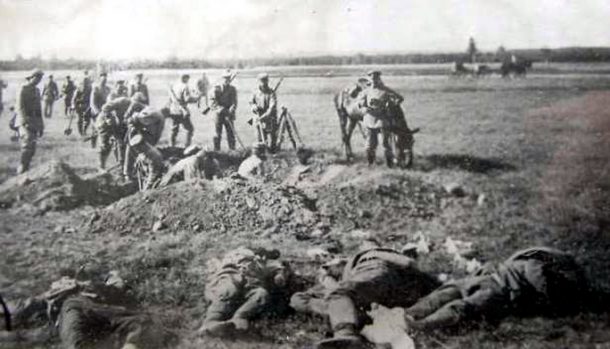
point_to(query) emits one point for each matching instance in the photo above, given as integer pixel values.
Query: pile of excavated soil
(307, 204)
(54, 186)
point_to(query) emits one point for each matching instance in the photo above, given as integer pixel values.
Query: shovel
(68, 130)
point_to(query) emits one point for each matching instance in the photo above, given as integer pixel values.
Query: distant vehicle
(517, 69)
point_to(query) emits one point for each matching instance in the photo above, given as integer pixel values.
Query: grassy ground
(538, 149)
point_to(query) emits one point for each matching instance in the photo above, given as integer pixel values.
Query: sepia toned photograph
(304, 174)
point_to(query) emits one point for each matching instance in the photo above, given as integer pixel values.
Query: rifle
(277, 85)
(207, 110)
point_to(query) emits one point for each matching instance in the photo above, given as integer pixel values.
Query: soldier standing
(376, 100)
(120, 90)
(82, 106)
(67, 91)
(3, 85)
(179, 99)
(203, 84)
(264, 105)
(50, 93)
(29, 118)
(99, 96)
(224, 104)
(139, 86)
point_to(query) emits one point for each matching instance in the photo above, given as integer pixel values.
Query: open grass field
(538, 149)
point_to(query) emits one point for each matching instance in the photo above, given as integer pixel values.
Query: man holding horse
(377, 101)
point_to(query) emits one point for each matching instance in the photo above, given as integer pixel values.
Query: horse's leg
(348, 143)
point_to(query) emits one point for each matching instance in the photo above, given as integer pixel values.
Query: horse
(517, 69)
(351, 114)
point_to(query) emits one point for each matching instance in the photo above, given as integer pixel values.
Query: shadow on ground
(462, 162)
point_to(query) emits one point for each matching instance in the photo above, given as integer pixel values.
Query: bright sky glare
(158, 29)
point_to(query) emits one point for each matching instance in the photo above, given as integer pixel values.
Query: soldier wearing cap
(376, 100)
(29, 118)
(3, 85)
(67, 92)
(50, 93)
(253, 167)
(264, 105)
(99, 96)
(148, 125)
(120, 90)
(81, 102)
(223, 102)
(139, 86)
(179, 99)
(111, 123)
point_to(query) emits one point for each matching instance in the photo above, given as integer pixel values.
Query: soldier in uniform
(264, 105)
(82, 106)
(88, 315)
(203, 85)
(243, 286)
(534, 281)
(111, 124)
(224, 103)
(374, 274)
(99, 96)
(29, 118)
(3, 85)
(120, 90)
(67, 92)
(50, 93)
(253, 167)
(148, 125)
(179, 99)
(139, 86)
(376, 100)
(199, 163)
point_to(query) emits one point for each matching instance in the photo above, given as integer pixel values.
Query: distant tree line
(571, 54)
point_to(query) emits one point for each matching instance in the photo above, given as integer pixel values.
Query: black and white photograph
(304, 174)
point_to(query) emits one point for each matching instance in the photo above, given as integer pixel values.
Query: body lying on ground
(533, 281)
(245, 284)
(374, 275)
(87, 315)
(199, 163)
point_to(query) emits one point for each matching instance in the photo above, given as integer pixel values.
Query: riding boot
(172, 139)
(189, 139)
(216, 141)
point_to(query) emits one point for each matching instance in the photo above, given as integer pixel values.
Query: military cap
(120, 81)
(68, 77)
(103, 73)
(226, 74)
(263, 76)
(138, 97)
(139, 75)
(35, 72)
(185, 75)
(50, 75)
(373, 72)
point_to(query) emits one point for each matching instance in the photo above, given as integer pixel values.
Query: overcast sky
(116, 29)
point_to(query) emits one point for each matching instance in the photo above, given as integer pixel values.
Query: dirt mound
(305, 202)
(54, 186)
